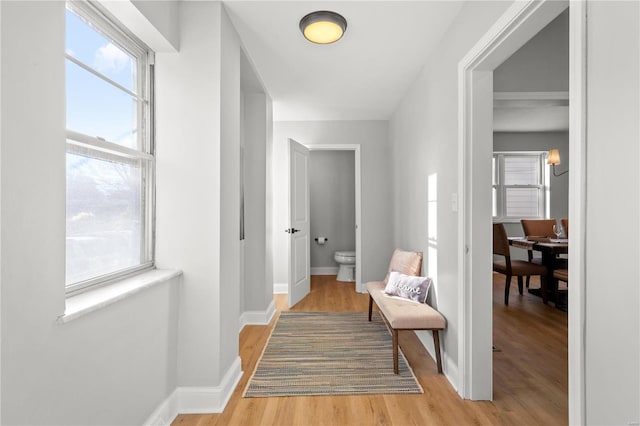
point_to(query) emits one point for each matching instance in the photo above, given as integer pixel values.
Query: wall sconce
(553, 159)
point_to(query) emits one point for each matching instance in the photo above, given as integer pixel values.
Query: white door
(299, 245)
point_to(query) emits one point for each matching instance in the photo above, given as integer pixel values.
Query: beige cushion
(403, 313)
(406, 262)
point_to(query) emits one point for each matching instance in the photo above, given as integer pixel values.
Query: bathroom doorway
(335, 199)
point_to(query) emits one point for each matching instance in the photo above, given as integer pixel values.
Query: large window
(110, 163)
(520, 182)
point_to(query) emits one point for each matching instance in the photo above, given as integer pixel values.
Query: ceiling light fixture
(323, 27)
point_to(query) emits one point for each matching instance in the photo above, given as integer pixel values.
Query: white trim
(131, 17)
(358, 172)
(578, 211)
(530, 96)
(258, 317)
(81, 143)
(104, 78)
(280, 288)
(1, 399)
(166, 412)
(530, 99)
(325, 270)
(475, 77)
(100, 297)
(197, 400)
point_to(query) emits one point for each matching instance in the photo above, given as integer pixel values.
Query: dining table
(550, 249)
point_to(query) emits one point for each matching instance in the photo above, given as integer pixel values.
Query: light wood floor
(530, 373)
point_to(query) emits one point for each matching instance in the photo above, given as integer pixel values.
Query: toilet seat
(346, 253)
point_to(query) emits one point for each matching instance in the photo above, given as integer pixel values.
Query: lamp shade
(554, 157)
(323, 27)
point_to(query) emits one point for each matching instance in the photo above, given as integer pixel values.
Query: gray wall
(333, 208)
(541, 65)
(257, 279)
(377, 244)
(559, 186)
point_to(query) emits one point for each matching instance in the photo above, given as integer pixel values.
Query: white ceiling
(361, 77)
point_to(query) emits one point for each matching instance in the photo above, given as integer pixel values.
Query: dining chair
(537, 228)
(509, 268)
(560, 275)
(565, 225)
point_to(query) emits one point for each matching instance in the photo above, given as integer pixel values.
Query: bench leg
(394, 334)
(436, 344)
(370, 306)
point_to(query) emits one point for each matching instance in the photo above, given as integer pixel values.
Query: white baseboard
(449, 367)
(197, 400)
(280, 288)
(258, 317)
(324, 270)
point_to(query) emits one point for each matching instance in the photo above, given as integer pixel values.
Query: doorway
(516, 27)
(355, 149)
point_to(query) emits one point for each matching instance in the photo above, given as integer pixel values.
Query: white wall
(163, 15)
(154, 22)
(229, 194)
(424, 131)
(377, 244)
(188, 185)
(198, 121)
(332, 203)
(114, 365)
(612, 272)
(424, 136)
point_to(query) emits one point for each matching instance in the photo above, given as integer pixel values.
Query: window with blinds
(519, 189)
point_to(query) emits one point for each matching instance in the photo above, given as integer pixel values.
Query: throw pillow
(408, 287)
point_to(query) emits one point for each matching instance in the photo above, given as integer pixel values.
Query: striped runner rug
(329, 353)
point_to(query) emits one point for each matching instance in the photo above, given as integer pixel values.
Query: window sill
(92, 300)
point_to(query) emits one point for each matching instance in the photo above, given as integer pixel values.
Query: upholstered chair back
(500, 240)
(538, 227)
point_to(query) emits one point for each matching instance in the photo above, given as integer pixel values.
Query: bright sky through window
(94, 106)
(109, 162)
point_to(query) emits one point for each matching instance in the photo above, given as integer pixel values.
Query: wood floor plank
(530, 373)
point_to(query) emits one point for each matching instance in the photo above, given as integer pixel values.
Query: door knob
(291, 230)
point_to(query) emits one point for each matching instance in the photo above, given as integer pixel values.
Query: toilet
(347, 262)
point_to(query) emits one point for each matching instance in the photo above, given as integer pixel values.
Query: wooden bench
(402, 314)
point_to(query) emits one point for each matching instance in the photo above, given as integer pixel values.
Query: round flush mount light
(323, 27)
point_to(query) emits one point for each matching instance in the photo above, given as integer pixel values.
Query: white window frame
(501, 188)
(99, 148)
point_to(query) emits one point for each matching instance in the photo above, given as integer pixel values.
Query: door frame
(356, 149)
(475, 134)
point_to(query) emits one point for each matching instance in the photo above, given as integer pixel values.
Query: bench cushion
(406, 262)
(405, 314)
